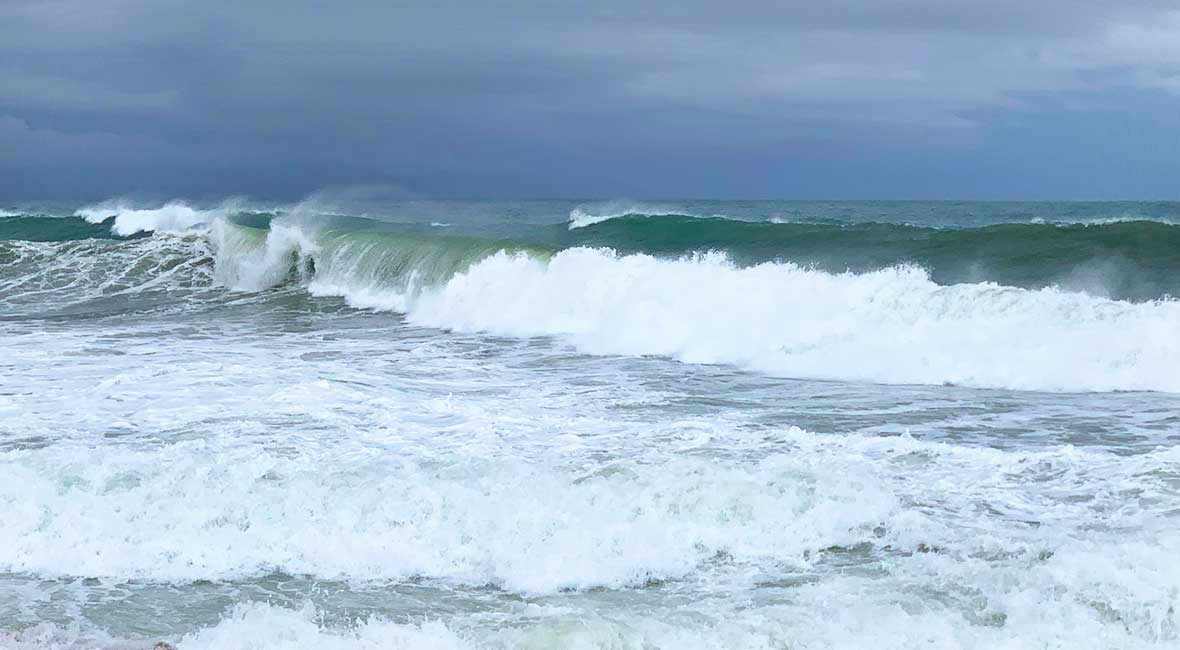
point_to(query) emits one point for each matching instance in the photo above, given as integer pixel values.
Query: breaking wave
(174, 216)
(892, 325)
(635, 286)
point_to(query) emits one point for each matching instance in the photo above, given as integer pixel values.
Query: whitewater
(593, 425)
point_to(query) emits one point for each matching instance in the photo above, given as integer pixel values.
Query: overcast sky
(822, 99)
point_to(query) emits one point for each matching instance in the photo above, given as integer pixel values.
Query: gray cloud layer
(848, 98)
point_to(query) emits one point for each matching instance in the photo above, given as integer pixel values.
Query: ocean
(564, 424)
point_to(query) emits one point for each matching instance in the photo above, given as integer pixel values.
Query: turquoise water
(565, 424)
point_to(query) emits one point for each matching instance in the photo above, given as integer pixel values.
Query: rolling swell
(19, 227)
(1133, 260)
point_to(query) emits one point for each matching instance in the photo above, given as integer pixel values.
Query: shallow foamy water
(270, 478)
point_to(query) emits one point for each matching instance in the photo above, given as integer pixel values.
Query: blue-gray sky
(834, 99)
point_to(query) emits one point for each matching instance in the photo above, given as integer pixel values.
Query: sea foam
(893, 325)
(195, 511)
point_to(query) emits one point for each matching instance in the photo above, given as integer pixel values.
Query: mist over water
(614, 425)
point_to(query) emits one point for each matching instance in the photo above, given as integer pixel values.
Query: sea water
(564, 424)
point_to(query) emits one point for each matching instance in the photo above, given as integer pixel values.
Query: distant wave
(1102, 221)
(53, 229)
(173, 216)
(588, 214)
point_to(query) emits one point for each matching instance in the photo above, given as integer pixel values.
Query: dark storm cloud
(843, 98)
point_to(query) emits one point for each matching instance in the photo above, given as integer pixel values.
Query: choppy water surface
(539, 425)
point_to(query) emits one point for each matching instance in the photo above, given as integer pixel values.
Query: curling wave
(892, 325)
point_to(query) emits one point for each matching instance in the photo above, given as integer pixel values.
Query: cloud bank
(844, 99)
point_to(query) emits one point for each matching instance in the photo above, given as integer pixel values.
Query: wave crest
(892, 326)
(174, 216)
